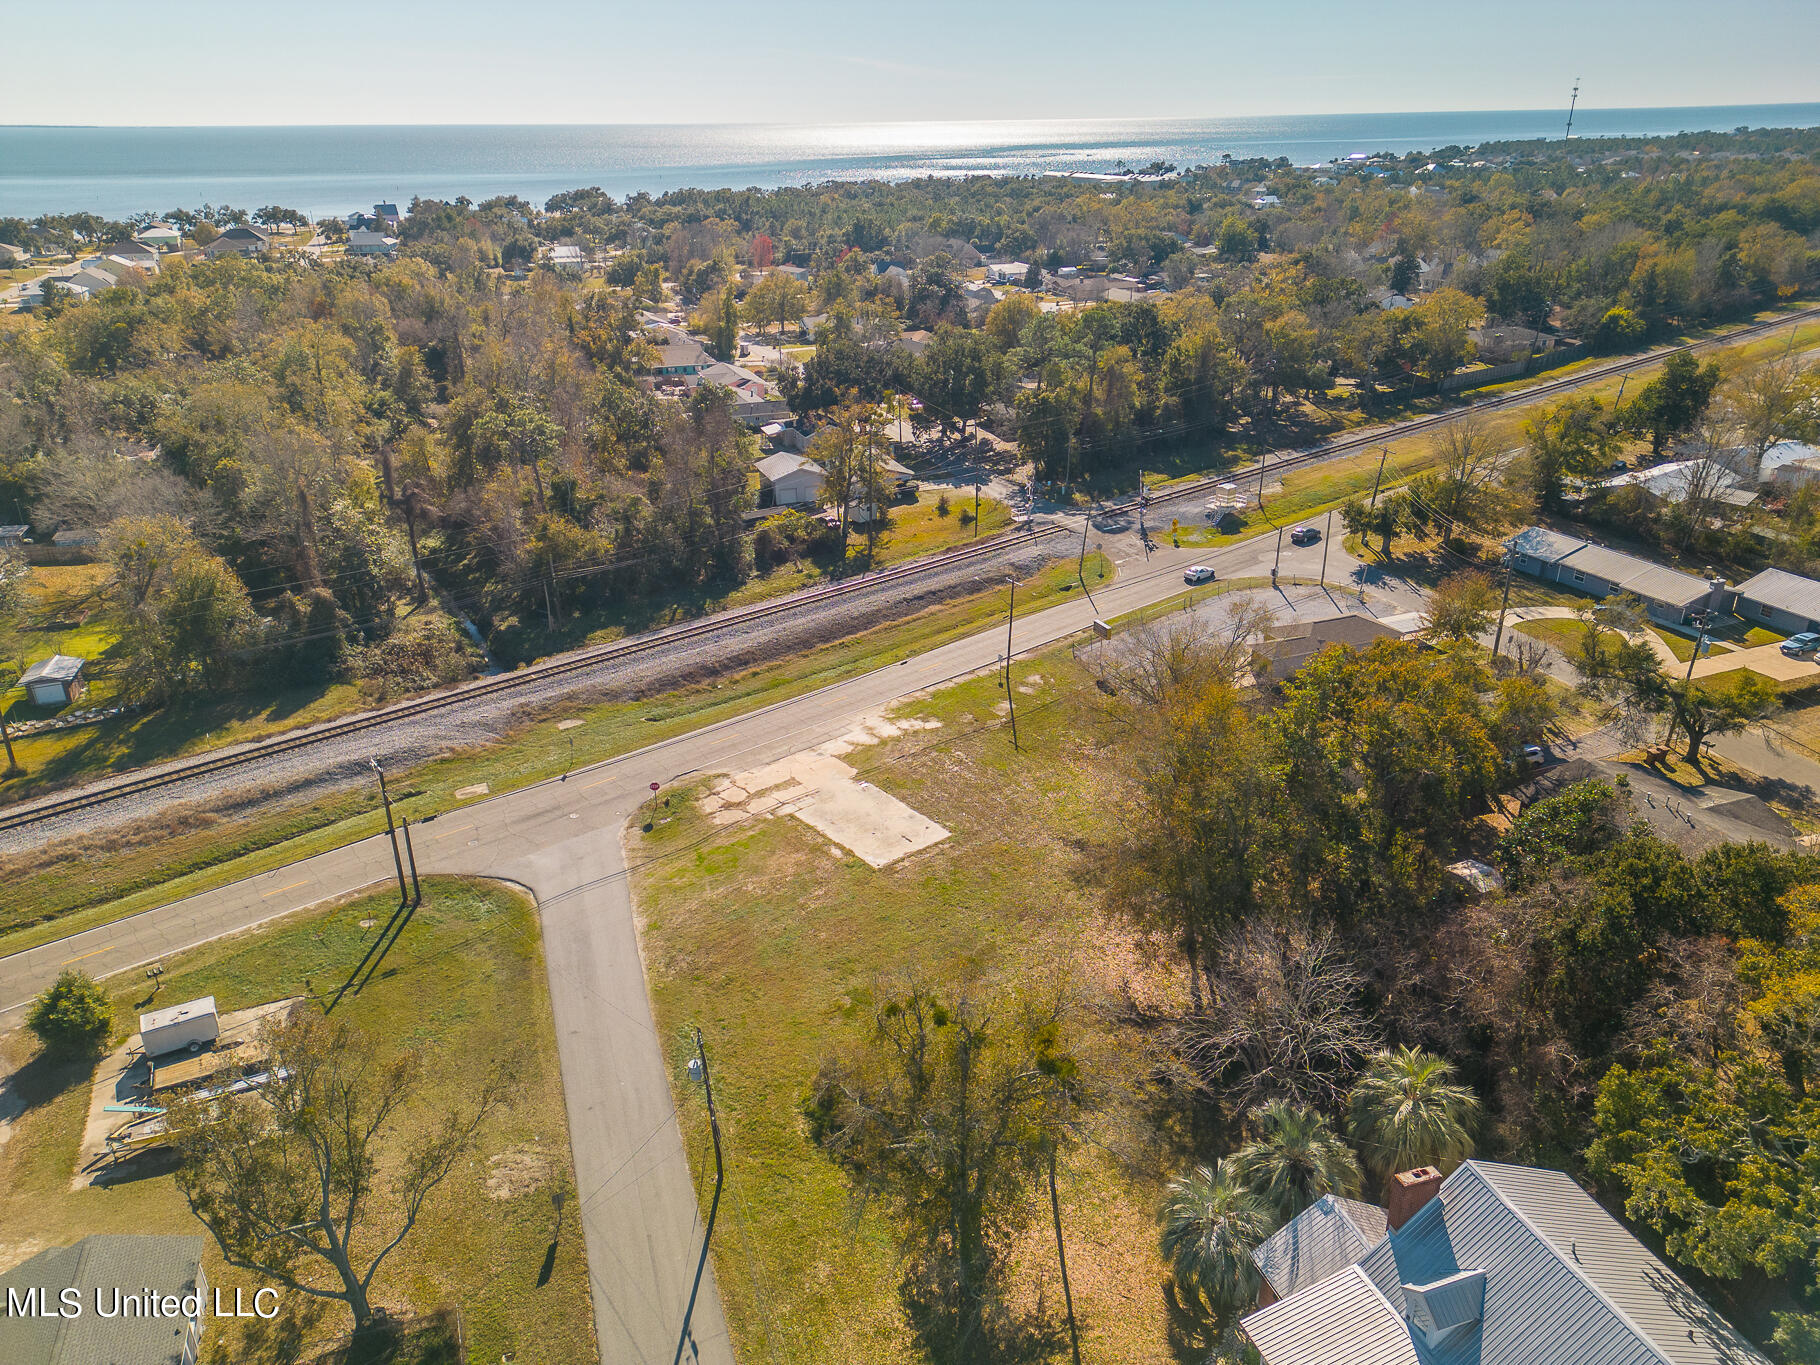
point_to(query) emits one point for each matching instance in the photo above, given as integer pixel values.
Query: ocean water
(117, 172)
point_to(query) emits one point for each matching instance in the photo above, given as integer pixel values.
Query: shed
(12, 537)
(56, 681)
(1785, 602)
(193, 1024)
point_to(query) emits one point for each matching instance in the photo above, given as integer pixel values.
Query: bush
(941, 506)
(1619, 330)
(75, 1014)
(966, 516)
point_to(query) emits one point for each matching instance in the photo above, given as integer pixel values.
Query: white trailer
(193, 1025)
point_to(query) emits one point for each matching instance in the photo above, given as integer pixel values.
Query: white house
(91, 279)
(1007, 272)
(792, 480)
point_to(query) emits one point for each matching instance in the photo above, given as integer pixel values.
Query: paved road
(561, 839)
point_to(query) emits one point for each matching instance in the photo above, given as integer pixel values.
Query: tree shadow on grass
(988, 1333)
(49, 1074)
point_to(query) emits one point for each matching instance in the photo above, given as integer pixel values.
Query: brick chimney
(1407, 1192)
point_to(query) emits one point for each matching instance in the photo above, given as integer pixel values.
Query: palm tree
(1211, 1222)
(1295, 1159)
(1407, 1110)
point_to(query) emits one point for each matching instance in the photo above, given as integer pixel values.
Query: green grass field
(56, 891)
(465, 980)
(777, 943)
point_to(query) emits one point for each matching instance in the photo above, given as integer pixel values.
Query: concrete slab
(826, 794)
(125, 1077)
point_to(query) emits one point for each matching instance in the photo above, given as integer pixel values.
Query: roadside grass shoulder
(466, 981)
(48, 893)
(777, 944)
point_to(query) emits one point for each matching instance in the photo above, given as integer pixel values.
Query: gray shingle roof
(1564, 1284)
(1319, 1242)
(1655, 582)
(166, 1265)
(1778, 588)
(58, 668)
(1539, 543)
(782, 464)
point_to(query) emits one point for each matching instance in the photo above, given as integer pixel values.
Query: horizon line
(900, 123)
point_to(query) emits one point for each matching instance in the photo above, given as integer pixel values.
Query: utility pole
(411, 853)
(976, 511)
(1503, 606)
(1061, 1255)
(1326, 537)
(12, 764)
(391, 831)
(1701, 619)
(713, 1208)
(1277, 562)
(1379, 479)
(1262, 461)
(1011, 692)
(1571, 104)
(1080, 566)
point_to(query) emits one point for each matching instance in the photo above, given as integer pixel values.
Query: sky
(810, 61)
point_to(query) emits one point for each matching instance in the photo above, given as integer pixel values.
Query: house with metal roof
(55, 681)
(1325, 1238)
(1600, 571)
(143, 1299)
(1499, 1265)
(1785, 602)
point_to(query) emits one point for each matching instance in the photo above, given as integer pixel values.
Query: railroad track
(50, 807)
(1415, 426)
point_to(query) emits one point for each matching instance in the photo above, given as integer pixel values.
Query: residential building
(366, 242)
(796, 272)
(915, 341)
(1789, 465)
(1678, 480)
(1670, 595)
(89, 280)
(790, 480)
(239, 241)
(679, 354)
(163, 236)
(56, 681)
(1785, 602)
(108, 1265)
(1493, 1265)
(12, 537)
(1007, 272)
(12, 255)
(116, 265)
(1291, 644)
(139, 254)
(568, 258)
(1694, 821)
(756, 402)
(389, 216)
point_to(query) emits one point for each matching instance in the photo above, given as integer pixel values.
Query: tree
(957, 373)
(1462, 490)
(946, 1114)
(1627, 675)
(1294, 1158)
(1443, 323)
(74, 1015)
(1404, 272)
(1009, 316)
(1407, 1110)
(778, 300)
(1211, 1223)
(1774, 401)
(1572, 438)
(1235, 240)
(327, 1167)
(143, 551)
(1462, 605)
(1619, 330)
(186, 638)
(1361, 519)
(1670, 403)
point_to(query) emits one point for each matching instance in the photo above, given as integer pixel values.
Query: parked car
(1304, 535)
(1200, 573)
(1533, 756)
(1804, 643)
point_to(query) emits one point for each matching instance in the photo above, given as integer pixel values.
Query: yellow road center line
(279, 891)
(79, 956)
(447, 832)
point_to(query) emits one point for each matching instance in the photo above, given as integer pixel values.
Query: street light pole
(713, 1208)
(391, 831)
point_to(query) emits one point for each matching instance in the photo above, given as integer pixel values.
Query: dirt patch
(521, 1170)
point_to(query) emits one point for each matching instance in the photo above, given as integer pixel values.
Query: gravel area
(340, 761)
